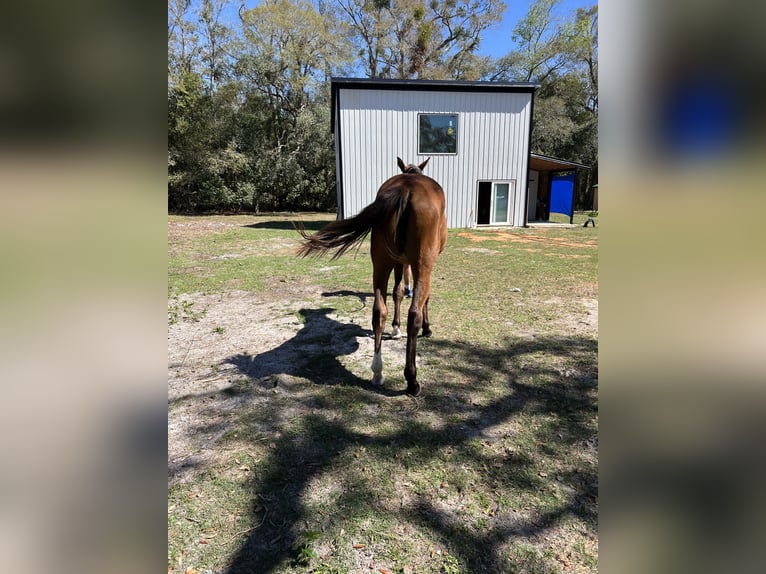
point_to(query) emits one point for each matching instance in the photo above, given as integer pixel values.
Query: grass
(494, 469)
(182, 309)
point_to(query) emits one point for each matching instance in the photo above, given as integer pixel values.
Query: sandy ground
(240, 335)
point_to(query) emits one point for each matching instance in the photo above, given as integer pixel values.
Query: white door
(496, 200)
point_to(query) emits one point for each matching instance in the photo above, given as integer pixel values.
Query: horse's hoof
(428, 333)
(396, 333)
(377, 380)
(413, 389)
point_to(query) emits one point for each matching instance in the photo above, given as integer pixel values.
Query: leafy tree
(584, 50)
(248, 108)
(206, 168)
(183, 40)
(562, 56)
(216, 42)
(437, 39)
(583, 47)
(289, 51)
(542, 46)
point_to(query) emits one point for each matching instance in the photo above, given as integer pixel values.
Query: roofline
(559, 160)
(336, 84)
(432, 85)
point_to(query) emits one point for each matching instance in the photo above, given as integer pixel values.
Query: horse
(407, 224)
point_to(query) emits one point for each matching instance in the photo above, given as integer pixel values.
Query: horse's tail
(345, 234)
(400, 227)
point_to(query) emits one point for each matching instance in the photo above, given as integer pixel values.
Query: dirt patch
(200, 227)
(580, 318)
(183, 234)
(184, 231)
(567, 255)
(197, 350)
(481, 250)
(517, 238)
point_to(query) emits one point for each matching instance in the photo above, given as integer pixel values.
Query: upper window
(437, 133)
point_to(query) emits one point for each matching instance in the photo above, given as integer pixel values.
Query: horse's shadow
(313, 353)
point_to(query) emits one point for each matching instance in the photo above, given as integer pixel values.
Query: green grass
(253, 254)
(493, 469)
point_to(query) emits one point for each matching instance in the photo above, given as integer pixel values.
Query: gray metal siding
(376, 126)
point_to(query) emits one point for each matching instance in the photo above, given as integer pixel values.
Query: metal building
(476, 134)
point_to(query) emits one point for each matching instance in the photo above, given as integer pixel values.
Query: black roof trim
(559, 160)
(433, 85)
(424, 86)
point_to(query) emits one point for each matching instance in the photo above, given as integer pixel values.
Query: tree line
(249, 89)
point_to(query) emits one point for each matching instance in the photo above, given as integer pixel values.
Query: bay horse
(407, 223)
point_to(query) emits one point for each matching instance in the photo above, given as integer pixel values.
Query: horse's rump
(420, 207)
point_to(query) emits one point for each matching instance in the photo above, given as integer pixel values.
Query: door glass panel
(501, 203)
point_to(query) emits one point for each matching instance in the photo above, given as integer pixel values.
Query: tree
(183, 40)
(584, 51)
(206, 167)
(419, 39)
(562, 56)
(301, 44)
(248, 108)
(216, 38)
(289, 50)
(542, 46)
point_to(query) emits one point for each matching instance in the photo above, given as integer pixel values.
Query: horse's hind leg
(414, 324)
(398, 294)
(379, 314)
(427, 332)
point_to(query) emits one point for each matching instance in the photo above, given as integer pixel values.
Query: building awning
(539, 162)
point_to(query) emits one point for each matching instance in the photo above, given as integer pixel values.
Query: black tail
(344, 234)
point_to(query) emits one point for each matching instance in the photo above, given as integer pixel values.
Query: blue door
(562, 193)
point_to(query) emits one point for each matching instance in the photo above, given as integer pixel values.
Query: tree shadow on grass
(279, 494)
(320, 444)
(567, 400)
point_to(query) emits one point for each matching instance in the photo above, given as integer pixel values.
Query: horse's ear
(401, 164)
(423, 165)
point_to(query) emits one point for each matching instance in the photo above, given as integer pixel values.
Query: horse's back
(425, 193)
